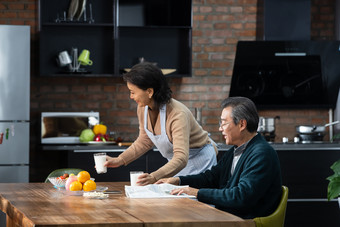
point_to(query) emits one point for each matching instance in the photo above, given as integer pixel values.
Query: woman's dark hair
(147, 75)
(243, 108)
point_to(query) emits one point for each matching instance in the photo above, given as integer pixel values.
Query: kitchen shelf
(78, 24)
(155, 27)
(122, 32)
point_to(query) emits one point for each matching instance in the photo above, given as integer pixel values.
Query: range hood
(287, 74)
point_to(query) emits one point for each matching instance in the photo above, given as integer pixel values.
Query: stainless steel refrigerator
(14, 103)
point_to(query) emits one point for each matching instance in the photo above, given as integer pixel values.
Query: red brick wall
(323, 15)
(218, 25)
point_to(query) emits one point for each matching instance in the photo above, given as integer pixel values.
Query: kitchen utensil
(72, 9)
(267, 124)
(91, 20)
(124, 144)
(198, 115)
(85, 18)
(314, 128)
(310, 133)
(289, 91)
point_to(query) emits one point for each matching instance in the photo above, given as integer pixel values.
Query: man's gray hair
(243, 108)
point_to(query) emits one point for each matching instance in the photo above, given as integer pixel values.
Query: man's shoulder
(260, 142)
(261, 147)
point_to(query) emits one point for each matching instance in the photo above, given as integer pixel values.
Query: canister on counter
(284, 139)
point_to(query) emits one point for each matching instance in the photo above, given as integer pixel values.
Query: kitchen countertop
(221, 147)
(296, 146)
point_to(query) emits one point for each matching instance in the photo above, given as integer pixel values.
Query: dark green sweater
(254, 190)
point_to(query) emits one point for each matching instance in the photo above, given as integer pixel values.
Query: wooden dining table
(40, 204)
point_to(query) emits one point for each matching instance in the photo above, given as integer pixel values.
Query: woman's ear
(150, 92)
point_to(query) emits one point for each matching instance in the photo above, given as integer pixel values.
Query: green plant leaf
(333, 189)
(330, 178)
(336, 167)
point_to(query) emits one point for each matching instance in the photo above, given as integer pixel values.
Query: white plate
(81, 8)
(72, 9)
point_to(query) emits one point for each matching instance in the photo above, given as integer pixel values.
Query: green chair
(60, 172)
(276, 219)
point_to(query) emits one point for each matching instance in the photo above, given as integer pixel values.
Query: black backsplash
(287, 74)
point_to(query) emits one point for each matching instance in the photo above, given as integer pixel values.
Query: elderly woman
(167, 124)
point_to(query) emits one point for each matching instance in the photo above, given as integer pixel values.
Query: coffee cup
(84, 58)
(64, 58)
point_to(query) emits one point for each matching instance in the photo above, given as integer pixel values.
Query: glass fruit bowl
(57, 182)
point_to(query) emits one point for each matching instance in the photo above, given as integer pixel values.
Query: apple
(98, 137)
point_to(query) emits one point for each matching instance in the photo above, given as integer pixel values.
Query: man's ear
(243, 124)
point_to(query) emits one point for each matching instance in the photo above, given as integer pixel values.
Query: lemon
(76, 186)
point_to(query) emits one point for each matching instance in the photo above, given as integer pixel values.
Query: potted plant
(333, 190)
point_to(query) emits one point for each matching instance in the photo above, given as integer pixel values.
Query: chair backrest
(60, 172)
(277, 218)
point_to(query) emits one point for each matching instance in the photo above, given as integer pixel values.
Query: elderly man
(247, 180)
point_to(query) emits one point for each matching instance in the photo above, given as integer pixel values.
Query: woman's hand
(170, 180)
(186, 190)
(113, 162)
(145, 179)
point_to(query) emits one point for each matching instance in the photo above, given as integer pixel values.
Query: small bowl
(60, 183)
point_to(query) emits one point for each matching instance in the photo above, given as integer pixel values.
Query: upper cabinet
(117, 34)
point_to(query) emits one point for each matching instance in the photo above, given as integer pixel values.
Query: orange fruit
(83, 176)
(76, 186)
(89, 185)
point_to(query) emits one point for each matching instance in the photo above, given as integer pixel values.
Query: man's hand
(186, 190)
(171, 180)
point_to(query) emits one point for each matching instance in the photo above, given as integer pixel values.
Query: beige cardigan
(183, 132)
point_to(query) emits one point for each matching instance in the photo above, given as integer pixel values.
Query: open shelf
(120, 33)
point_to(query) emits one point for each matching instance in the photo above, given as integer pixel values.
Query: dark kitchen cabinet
(155, 161)
(118, 35)
(304, 171)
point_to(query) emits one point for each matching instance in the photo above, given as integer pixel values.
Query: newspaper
(154, 191)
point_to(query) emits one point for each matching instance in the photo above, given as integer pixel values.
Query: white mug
(64, 58)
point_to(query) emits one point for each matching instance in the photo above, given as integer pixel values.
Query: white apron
(200, 159)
